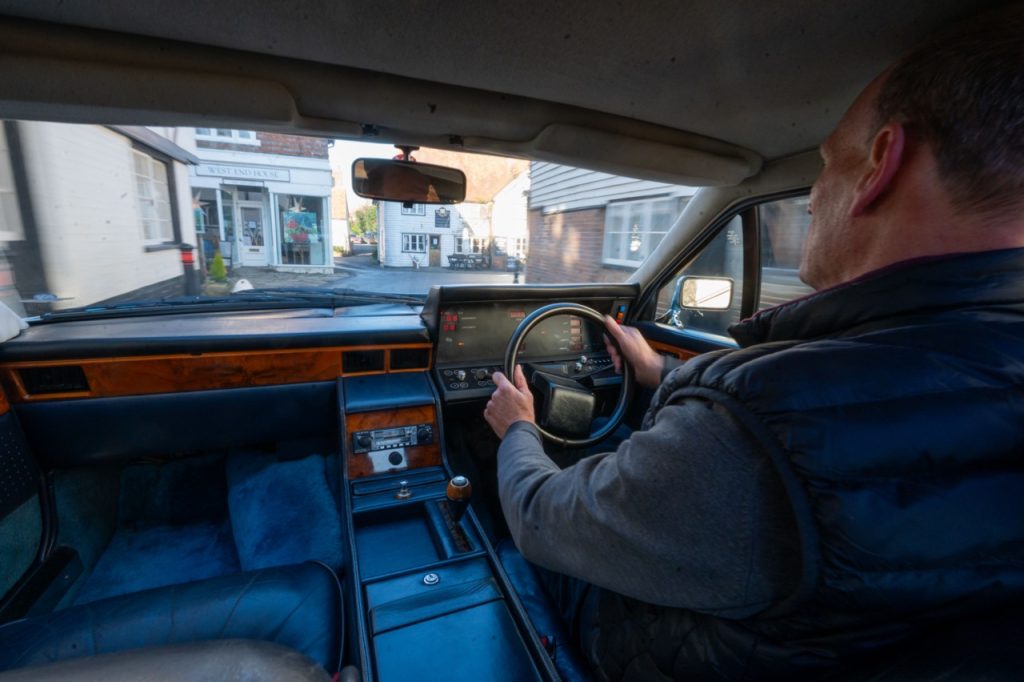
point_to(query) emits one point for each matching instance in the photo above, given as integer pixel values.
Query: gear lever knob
(459, 491)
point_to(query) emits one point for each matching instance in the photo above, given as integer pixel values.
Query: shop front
(263, 217)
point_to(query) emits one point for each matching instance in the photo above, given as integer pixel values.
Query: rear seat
(296, 606)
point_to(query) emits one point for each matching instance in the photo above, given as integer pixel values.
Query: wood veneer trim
(680, 353)
(174, 373)
(359, 465)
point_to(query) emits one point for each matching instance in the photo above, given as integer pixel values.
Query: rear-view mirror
(705, 293)
(408, 182)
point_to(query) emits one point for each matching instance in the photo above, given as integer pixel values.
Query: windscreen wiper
(247, 300)
(340, 296)
(250, 299)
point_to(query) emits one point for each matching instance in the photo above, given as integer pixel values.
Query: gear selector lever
(459, 492)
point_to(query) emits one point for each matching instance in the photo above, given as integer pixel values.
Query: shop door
(435, 250)
(253, 249)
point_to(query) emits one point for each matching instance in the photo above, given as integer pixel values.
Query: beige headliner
(694, 92)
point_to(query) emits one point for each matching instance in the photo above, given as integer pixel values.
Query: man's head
(929, 159)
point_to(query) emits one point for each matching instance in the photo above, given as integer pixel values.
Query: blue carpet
(163, 555)
(282, 512)
(174, 493)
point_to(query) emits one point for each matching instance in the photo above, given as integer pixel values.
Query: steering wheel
(567, 411)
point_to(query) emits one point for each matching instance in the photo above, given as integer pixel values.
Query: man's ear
(884, 159)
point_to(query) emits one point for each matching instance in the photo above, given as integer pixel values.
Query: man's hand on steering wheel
(647, 364)
(509, 403)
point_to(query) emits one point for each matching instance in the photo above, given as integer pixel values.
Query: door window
(783, 226)
(252, 227)
(722, 257)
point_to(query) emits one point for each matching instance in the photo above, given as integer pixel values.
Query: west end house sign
(219, 170)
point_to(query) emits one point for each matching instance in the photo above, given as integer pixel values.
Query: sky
(344, 152)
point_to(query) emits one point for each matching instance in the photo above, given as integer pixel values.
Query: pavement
(362, 273)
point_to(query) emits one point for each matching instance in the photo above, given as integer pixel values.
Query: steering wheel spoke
(566, 394)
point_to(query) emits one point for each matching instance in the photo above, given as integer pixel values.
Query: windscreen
(100, 216)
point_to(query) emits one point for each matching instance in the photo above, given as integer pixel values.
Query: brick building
(264, 199)
(587, 226)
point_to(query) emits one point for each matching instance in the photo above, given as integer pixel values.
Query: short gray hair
(962, 91)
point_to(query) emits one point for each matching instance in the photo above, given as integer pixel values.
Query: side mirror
(408, 182)
(698, 293)
(705, 293)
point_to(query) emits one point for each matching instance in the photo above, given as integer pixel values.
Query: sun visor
(698, 161)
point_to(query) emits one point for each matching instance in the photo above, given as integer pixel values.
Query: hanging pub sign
(442, 217)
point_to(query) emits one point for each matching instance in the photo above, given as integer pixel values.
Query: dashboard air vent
(59, 379)
(355, 361)
(410, 358)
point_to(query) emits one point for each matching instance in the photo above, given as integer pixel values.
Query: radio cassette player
(392, 438)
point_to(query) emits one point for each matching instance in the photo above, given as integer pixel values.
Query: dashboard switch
(460, 374)
(403, 491)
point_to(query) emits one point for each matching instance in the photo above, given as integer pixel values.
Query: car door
(758, 248)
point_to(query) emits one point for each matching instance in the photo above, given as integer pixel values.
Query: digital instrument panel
(472, 332)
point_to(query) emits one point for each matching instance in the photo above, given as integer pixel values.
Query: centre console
(428, 598)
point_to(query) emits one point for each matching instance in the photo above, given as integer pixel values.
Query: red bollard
(188, 266)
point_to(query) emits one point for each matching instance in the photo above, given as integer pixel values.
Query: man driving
(852, 474)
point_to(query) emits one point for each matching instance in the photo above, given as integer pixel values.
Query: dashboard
(471, 328)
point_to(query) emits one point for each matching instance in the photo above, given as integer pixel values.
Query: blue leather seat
(990, 649)
(542, 612)
(295, 606)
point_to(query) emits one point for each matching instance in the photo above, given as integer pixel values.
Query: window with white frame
(415, 209)
(517, 247)
(154, 198)
(228, 135)
(414, 243)
(633, 229)
(10, 213)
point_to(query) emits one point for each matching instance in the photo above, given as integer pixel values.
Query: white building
(92, 213)
(263, 199)
(487, 229)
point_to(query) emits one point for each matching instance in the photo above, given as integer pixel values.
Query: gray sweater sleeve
(688, 514)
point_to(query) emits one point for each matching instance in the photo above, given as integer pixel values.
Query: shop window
(414, 243)
(633, 229)
(154, 198)
(783, 229)
(415, 209)
(227, 221)
(303, 237)
(207, 216)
